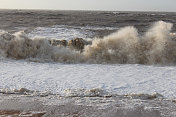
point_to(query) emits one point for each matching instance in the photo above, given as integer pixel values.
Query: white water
(66, 32)
(114, 78)
(60, 32)
(57, 77)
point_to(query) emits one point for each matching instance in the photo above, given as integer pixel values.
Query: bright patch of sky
(119, 5)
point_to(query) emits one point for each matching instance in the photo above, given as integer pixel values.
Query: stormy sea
(87, 63)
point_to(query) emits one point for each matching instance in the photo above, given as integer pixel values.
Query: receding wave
(156, 46)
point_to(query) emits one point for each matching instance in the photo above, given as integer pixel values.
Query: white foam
(67, 32)
(60, 32)
(57, 77)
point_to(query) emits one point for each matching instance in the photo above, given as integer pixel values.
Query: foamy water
(66, 32)
(60, 32)
(89, 89)
(125, 46)
(65, 79)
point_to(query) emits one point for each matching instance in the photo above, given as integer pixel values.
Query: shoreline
(54, 106)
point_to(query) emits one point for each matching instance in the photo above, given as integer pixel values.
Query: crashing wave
(156, 46)
(19, 46)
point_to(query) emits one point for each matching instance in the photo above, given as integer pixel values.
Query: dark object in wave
(77, 43)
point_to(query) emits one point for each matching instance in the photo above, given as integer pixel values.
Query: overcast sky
(119, 5)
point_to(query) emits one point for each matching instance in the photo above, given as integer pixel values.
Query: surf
(125, 46)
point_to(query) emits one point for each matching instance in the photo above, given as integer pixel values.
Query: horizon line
(38, 9)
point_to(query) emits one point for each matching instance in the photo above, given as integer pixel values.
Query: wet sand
(56, 106)
(16, 113)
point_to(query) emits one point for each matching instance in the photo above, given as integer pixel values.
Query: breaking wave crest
(19, 46)
(156, 46)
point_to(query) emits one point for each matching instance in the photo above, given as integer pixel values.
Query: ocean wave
(125, 46)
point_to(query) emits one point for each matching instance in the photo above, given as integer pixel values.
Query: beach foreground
(140, 105)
